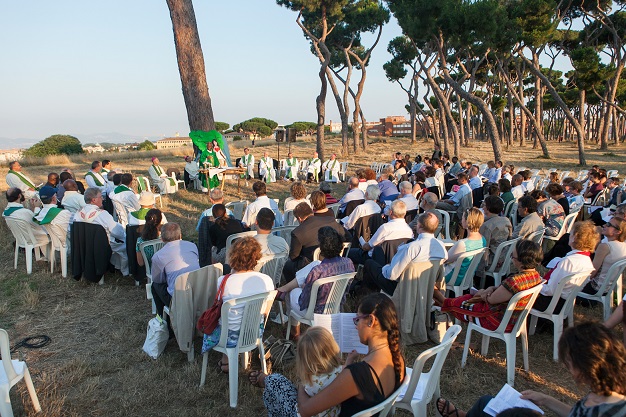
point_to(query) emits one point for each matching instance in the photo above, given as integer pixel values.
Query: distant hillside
(110, 137)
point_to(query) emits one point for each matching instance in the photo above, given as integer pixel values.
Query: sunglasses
(611, 225)
(356, 319)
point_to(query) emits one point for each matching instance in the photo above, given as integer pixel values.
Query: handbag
(438, 325)
(209, 320)
(156, 337)
(279, 352)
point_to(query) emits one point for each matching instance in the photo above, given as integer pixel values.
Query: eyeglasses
(359, 317)
(609, 224)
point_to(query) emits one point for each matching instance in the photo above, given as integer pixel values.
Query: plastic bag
(438, 325)
(156, 338)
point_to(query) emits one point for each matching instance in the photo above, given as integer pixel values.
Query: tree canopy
(257, 125)
(55, 145)
(221, 126)
(146, 145)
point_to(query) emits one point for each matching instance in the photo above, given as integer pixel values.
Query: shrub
(236, 138)
(55, 145)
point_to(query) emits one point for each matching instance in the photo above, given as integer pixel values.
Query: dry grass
(95, 365)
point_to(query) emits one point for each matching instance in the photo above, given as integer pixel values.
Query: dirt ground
(94, 365)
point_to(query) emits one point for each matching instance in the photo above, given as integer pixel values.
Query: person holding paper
(595, 364)
(299, 289)
(360, 385)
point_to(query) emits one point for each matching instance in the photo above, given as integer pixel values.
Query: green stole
(50, 215)
(140, 214)
(245, 164)
(96, 180)
(159, 172)
(313, 162)
(10, 211)
(291, 163)
(330, 168)
(23, 179)
(121, 189)
(141, 185)
(268, 167)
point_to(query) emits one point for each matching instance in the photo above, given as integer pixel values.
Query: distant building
(396, 126)
(94, 148)
(172, 143)
(10, 155)
(335, 127)
(243, 135)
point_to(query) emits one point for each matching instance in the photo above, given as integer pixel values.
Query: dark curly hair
(150, 229)
(330, 242)
(244, 254)
(385, 312)
(529, 254)
(598, 356)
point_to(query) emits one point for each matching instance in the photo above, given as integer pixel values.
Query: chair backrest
(568, 223)
(468, 278)
(530, 295)
(467, 202)
(382, 409)
(601, 198)
(272, 265)
(22, 231)
(290, 219)
(156, 244)
(508, 208)
(537, 236)
(335, 295)
(122, 213)
(143, 184)
(344, 251)
(429, 381)
(446, 223)
(513, 214)
(343, 167)
(5, 351)
(58, 235)
(284, 232)
(230, 239)
(504, 252)
(237, 207)
(610, 279)
(569, 301)
(254, 310)
(334, 208)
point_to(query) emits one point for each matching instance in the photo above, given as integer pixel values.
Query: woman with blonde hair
(607, 253)
(471, 221)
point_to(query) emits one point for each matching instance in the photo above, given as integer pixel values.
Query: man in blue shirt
(452, 203)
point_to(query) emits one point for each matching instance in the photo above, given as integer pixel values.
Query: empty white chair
(178, 182)
(509, 338)
(566, 311)
(501, 264)
(284, 232)
(255, 309)
(289, 219)
(612, 284)
(537, 236)
(11, 372)
(343, 171)
(424, 386)
(25, 238)
(382, 409)
(333, 301)
(57, 244)
(121, 212)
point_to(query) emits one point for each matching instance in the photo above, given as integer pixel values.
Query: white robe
(248, 164)
(315, 166)
(91, 182)
(291, 171)
(165, 185)
(13, 181)
(331, 170)
(266, 170)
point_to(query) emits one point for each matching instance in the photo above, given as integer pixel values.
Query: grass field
(94, 365)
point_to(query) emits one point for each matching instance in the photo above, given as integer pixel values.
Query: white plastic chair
(25, 238)
(121, 212)
(612, 284)
(568, 223)
(57, 244)
(178, 182)
(468, 279)
(272, 265)
(424, 386)
(503, 254)
(284, 232)
(537, 236)
(344, 251)
(509, 338)
(237, 207)
(143, 184)
(334, 207)
(230, 239)
(289, 219)
(255, 308)
(508, 208)
(513, 214)
(303, 165)
(11, 372)
(382, 409)
(343, 171)
(333, 301)
(156, 244)
(566, 311)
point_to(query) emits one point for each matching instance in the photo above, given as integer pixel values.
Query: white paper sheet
(343, 330)
(508, 397)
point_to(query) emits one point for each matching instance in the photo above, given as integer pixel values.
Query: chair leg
(484, 346)
(205, 360)
(468, 337)
(280, 311)
(606, 305)
(509, 340)
(191, 353)
(52, 260)
(31, 390)
(233, 376)
(17, 254)
(533, 324)
(558, 331)
(262, 355)
(288, 327)
(29, 259)
(64, 262)
(5, 402)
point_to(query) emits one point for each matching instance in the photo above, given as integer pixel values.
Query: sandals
(222, 366)
(255, 379)
(443, 407)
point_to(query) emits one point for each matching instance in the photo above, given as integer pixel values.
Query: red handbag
(209, 320)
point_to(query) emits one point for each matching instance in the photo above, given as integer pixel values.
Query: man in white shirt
(291, 167)
(331, 169)
(267, 172)
(407, 197)
(528, 183)
(125, 195)
(354, 193)
(314, 168)
(452, 203)
(15, 210)
(247, 162)
(93, 213)
(395, 228)
(474, 179)
(72, 199)
(95, 179)
(270, 244)
(260, 190)
(166, 184)
(423, 249)
(497, 174)
(368, 208)
(517, 189)
(16, 179)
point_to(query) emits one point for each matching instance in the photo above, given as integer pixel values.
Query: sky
(86, 67)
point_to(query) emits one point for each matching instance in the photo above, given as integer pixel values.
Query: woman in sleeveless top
(607, 253)
(360, 385)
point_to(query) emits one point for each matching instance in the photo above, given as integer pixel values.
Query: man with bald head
(424, 248)
(72, 199)
(353, 193)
